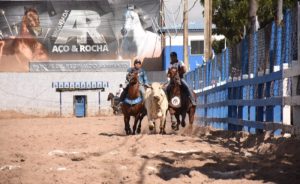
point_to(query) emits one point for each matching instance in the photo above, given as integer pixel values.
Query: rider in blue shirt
(142, 79)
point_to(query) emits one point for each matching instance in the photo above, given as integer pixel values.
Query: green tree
(231, 16)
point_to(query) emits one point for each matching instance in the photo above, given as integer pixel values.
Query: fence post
(298, 31)
(255, 58)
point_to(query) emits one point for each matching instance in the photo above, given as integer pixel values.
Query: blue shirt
(142, 75)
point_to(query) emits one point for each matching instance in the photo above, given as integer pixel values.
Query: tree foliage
(230, 16)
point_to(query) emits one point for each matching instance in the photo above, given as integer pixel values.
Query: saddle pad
(134, 101)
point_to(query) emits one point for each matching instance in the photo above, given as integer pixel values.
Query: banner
(51, 31)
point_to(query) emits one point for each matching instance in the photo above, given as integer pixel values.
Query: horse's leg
(136, 120)
(192, 115)
(183, 115)
(173, 118)
(127, 125)
(178, 121)
(140, 122)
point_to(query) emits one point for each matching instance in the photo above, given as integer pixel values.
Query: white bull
(156, 103)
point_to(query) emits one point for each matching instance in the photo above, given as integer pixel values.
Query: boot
(193, 101)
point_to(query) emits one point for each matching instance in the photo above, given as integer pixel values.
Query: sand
(96, 150)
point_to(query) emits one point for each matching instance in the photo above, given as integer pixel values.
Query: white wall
(177, 40)
(32, 93)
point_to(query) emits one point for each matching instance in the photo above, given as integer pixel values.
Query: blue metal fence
(241, 88)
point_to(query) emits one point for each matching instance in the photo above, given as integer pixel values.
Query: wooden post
(60, 104)
(162, 24)
(99, 102)
(185, 35)
(207, 29)
(298, 18)
(279, 12)
(252, 15)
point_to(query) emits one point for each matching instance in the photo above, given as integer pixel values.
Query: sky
(174, 13)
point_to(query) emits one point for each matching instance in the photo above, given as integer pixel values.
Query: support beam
(162, 25)
(185, 35)
(279, 12)
(207, 29)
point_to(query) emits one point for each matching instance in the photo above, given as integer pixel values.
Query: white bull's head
(157, 92)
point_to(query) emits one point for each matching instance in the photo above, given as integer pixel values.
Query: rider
(120, 90)
(181, 69)
(143, 80)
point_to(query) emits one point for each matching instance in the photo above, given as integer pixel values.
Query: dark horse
(17, 52)
(179, 101)
(115, 100)
(133, 105)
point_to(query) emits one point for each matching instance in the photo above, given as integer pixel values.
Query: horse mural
(136, 40)
(133, 105)
(17, 52)
(179, 101)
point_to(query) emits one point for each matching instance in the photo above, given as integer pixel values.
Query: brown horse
(17, 52)
(133, 105)
(115, 100)
(179, 101)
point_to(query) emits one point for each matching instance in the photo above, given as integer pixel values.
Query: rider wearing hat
(175, 63)
(143, 80)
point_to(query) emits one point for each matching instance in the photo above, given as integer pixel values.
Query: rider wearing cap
(175, 63)
(143, 80)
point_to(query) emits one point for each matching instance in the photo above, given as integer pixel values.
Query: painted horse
(133, 105)
(137, 41)
(179, 101)
(17, 52)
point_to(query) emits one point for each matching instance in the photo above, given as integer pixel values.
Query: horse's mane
(141, 15)
(27, 10)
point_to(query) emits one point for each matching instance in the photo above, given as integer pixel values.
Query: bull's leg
(127, 125)
(163, 125)
(150, 121)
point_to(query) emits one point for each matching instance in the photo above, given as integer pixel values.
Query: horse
(115, 100)
(133, 105)
(136, 40)
(17, 52)
(179, 101)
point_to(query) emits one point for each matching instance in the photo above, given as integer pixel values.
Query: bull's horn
(147, 85)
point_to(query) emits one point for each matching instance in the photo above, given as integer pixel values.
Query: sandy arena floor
(95, 150)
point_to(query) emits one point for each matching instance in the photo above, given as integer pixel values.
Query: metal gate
(80, 102)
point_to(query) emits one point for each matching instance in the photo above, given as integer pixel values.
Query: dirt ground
(96, 150)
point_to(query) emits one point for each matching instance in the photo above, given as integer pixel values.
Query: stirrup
(193, 101)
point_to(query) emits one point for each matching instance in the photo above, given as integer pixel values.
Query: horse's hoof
(151, 127)
(138, 131)
(183, 124)
(128, 132)
(162, 132)
(173, 126)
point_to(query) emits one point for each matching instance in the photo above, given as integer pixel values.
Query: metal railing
(250, 85)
